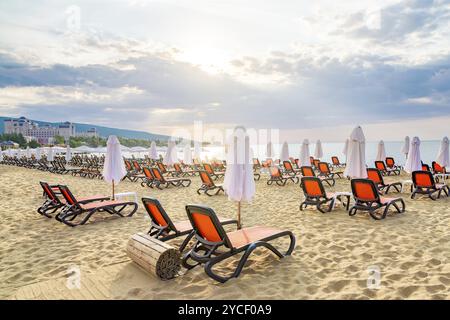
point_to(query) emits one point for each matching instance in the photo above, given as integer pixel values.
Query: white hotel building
(44, 134)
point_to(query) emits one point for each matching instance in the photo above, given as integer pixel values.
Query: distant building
(45, 134)
(92, 132)
(8, 145)
(42, 134)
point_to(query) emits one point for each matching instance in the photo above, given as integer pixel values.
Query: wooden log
(154, 256)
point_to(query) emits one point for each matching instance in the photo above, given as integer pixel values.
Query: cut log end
(154, 256)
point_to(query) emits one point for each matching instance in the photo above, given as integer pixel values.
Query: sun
(210, 60)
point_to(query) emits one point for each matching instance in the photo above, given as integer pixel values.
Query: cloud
(367, 66)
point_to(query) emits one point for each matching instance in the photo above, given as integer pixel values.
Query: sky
(312, 69)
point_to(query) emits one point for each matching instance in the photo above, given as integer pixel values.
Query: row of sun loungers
(74, 211)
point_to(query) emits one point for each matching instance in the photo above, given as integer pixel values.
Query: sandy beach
(330, 261)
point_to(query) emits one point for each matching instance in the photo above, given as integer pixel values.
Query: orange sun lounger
(75, 208)
(423, 183)
(367, 198)
(315, 195)
(164, 229)
(213, 245)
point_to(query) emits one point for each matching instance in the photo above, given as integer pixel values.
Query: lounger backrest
(390, 162)
(380, 165)
(157, 174)
(423, 179)
(157, 213)
(128, 165)
(206, 224)
(177, 167)
(375, 175)
(288, 166)
(307, 171)
(437, 168)
(311, 160)
(335, 160)
(147, 172)
(365, 190)
(161, 167)
(256, 161)
(313, 187)
(316, 163)
(275, 172)
(70, 199)
(206, 178)
(208, 168)
(425, 167)
(324, 168)
(136, 165)
(49, 192)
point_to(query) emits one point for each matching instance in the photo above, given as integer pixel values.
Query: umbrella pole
(113, 190)
(239, 215)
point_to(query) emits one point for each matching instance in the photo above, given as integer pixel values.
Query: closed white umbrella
(239, 183)
(1, 156)
(318, 153)
(345, 150)
(414, 161)
(68, 153)
(304, 154)
(50, 155)
(443, 157)
(356, 155)
(269, 150)
(284, 155)
(170, 159)
(381, 152)
(114, 168)
(187, 154)
(38, 153)
(153, 152)
(405, 147)
(28, 153)
(197, 151)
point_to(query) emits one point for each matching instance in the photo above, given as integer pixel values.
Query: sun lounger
(309, 172)
(164, 229)
(52, 202)
(376, 176)
(423, 182)
(336, 163)
(367, 198)
(279, 178)
(75, 208)
(390, 163)
(214, 174)
(325, 171)
(315, 195)
(380, 165)
(208, 185)
(213, 245)
(290, 170)
(163, 182)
